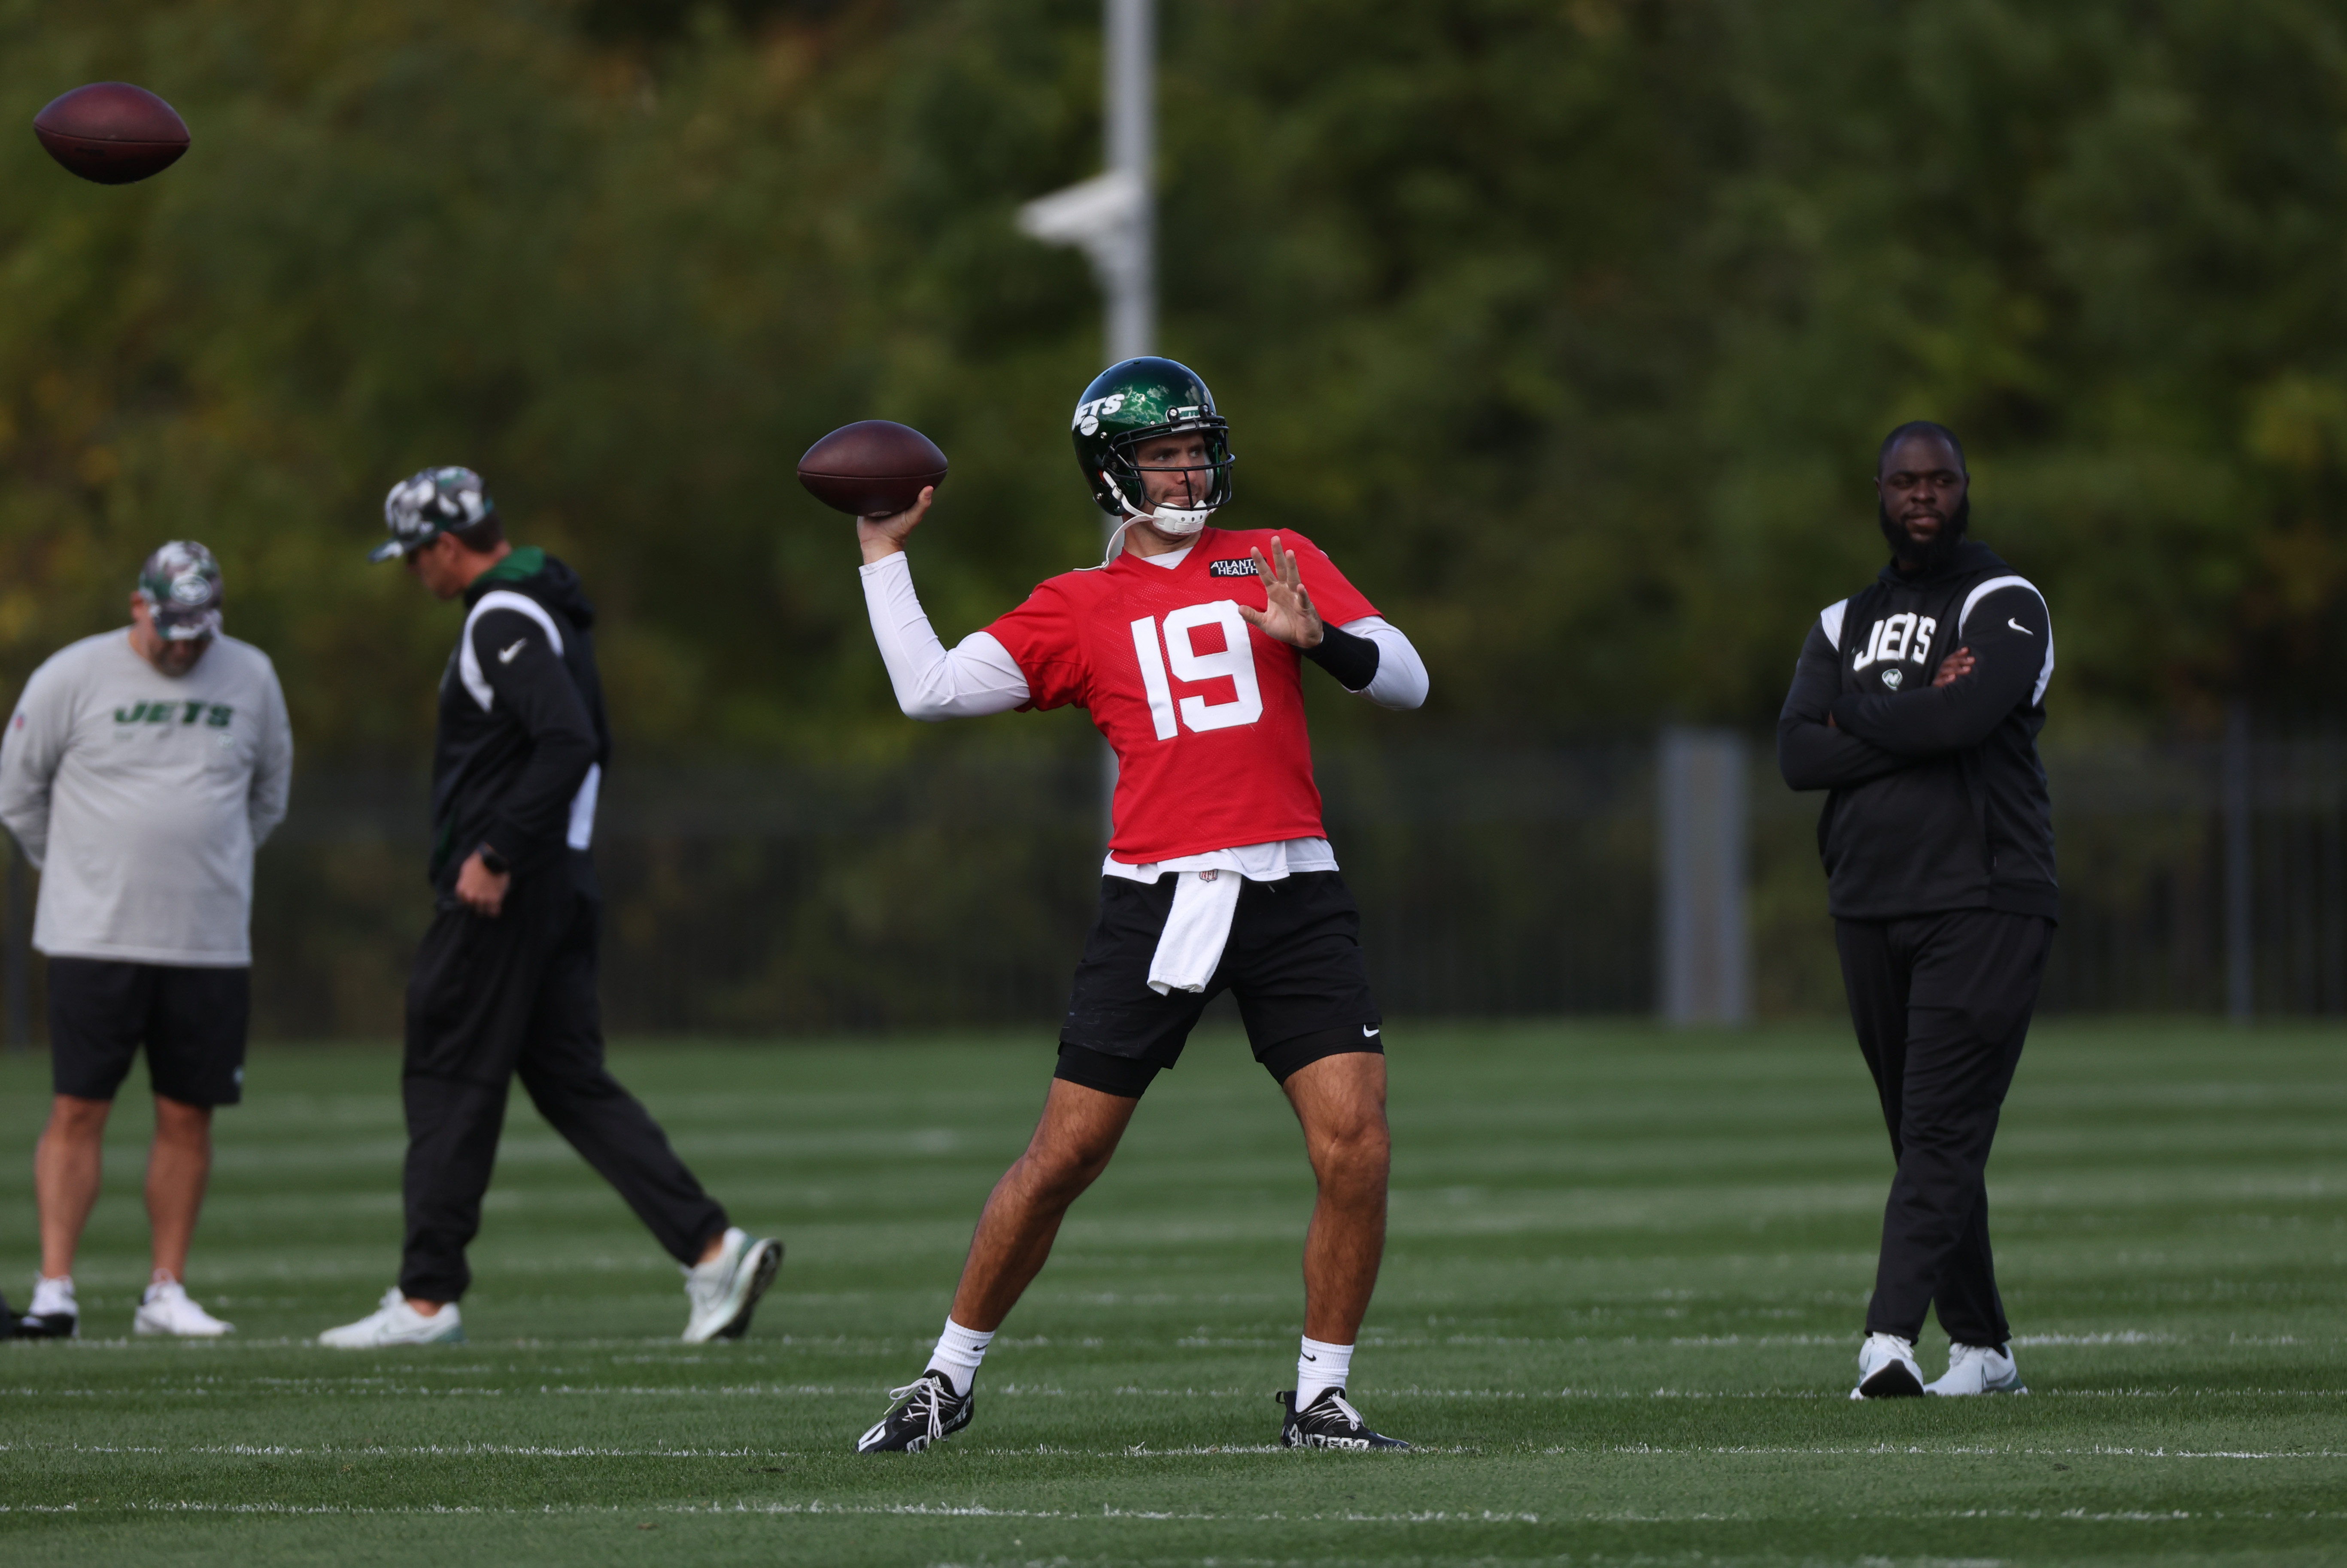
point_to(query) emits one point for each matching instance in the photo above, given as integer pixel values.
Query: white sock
(1319, 1368)
(52, 1295)
(958, 1352)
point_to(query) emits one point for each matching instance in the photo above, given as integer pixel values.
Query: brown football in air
(112, 132)
(872, 468)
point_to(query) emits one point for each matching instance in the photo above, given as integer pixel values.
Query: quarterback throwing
(1186, 646)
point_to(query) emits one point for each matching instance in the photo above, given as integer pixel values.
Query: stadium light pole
(1112, 217)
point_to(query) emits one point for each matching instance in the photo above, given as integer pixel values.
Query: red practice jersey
(1206, 712)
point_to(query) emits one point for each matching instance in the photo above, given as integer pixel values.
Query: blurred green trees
(1568, 328)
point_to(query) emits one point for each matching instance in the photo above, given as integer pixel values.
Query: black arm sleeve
(1352, 660)
(1810, 754)
(2008, 633)
(535, 686)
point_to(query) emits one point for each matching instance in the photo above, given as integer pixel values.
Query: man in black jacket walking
(505, 980)
(1917, 702)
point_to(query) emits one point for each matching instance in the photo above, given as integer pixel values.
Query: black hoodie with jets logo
(518, 760)
(1938, 799)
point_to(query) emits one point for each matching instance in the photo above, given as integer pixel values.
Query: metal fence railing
(1494, 882)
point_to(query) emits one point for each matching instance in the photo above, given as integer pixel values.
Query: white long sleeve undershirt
(978, 676)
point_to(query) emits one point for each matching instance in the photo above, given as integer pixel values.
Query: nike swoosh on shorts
(506, 655)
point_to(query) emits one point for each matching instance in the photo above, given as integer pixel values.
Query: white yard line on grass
(368, 1388)
(1143, 1450)
(818, 1509)
(1947, 1449)
(809, 1509)
(339, 1450)
(2121, 1336)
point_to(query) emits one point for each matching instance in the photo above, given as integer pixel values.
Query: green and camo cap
(423, 507)
(181, 584)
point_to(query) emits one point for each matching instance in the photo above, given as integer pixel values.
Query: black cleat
(8, 1319)
(1328, 1424)
(930, 1410)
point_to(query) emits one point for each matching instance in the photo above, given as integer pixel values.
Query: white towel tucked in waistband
(1195, 930)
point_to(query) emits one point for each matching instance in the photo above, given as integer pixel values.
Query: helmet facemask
(1125, 480)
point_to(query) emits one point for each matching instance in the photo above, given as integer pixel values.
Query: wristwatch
(492, 862)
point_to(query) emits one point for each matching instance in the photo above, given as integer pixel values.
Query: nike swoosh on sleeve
(506, 655)
(2018, 627)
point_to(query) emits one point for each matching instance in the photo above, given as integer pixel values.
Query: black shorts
(191, 1020)
(1293, 961)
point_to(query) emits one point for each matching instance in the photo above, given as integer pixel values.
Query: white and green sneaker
(1978, 1369)
(396, 1323)
(724, 1291)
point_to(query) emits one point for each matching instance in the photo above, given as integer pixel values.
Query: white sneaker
(396, 1323)
(168, 1310)
(725, 1290)
(1887, 1370)
(1978, 1369)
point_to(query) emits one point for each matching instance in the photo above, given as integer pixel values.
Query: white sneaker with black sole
(725, 1290)
(395, 1323)
(1978, 1369)
(54, 1313)
(168, 1309)
(1887, 1370)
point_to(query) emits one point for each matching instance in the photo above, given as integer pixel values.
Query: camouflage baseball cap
(423, 507)
(181, 584)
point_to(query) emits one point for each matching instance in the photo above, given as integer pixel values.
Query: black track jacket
(1939, 801)
(522, 742)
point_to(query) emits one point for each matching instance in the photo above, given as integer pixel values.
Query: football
(872, 468)
(112, 132)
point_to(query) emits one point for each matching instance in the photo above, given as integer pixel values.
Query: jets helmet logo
(1089, 415)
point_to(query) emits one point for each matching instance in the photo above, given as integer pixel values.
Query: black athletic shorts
(1293, 961)
(191, 1020)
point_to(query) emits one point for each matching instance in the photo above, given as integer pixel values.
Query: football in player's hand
(112, 132)
(872, 468)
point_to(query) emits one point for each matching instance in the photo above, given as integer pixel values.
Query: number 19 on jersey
(1233, 661)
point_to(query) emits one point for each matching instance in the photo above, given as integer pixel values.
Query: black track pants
(1942, 1003)
(491, 997)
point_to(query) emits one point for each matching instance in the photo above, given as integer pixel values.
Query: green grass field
(1619, 1313)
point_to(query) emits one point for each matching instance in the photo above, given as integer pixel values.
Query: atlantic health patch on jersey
(1241, 567)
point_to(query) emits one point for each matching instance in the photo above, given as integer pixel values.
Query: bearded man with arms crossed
(1186, 646)
(1918, 701)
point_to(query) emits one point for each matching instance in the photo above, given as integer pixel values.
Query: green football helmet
(1136, 401)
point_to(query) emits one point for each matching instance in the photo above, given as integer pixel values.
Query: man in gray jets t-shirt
(139, 772)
